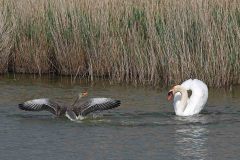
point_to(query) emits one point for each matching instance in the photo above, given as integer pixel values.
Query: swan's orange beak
(170, 95)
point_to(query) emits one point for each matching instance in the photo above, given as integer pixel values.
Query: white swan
(187, 106)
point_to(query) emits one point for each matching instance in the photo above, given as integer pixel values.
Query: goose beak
(170, 95)
(85, 94)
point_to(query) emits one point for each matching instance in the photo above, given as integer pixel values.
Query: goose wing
(95, 104)
(39, 105)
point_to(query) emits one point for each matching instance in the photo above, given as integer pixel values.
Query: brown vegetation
(153, 42)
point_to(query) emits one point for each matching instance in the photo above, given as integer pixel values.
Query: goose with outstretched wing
(77, 111)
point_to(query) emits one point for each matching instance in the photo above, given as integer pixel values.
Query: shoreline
(143, 42)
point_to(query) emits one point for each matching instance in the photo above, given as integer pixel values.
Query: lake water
(143, 127)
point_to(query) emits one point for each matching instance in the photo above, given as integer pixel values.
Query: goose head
(83, 94)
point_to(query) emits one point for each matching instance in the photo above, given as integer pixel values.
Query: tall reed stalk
(155, 42)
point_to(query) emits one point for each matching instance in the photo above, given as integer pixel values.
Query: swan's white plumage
(197, 100)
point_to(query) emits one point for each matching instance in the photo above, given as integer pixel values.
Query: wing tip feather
(118, 102)
(21, 106)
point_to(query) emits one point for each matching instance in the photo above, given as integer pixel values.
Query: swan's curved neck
(184, 97)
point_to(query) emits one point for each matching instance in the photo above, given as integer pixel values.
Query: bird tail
(71, 115)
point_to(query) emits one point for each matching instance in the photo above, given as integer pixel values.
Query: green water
(143, 127)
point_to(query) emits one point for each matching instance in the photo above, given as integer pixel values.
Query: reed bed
(149, 42)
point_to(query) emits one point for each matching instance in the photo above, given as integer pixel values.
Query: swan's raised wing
(95, 104)
(199, 96)
(187, 84)
(39, 105)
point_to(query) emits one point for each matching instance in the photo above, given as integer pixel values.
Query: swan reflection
(191, 140)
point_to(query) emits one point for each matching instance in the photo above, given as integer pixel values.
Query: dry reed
(154, 42)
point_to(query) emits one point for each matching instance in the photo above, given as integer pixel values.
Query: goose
(77, 111)
(188, 106)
